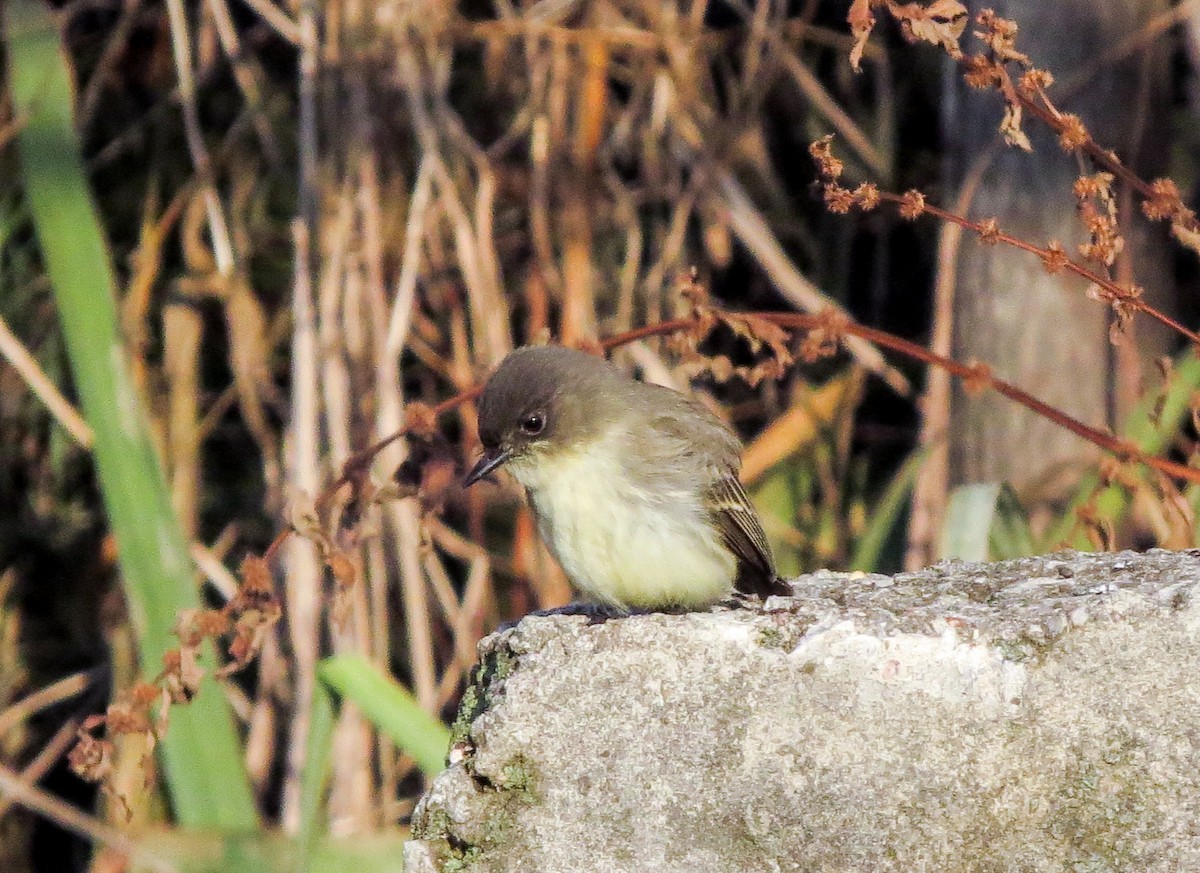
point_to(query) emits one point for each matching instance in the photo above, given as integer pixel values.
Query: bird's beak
(489, 462)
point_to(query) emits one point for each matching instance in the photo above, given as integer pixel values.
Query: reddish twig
(976, 376)
(1124, 299)
(1054, 258)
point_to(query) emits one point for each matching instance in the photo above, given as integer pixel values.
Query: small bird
(634, 486)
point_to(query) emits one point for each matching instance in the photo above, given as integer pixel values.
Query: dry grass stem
(932, 488)
(181, 44)
(26, 365)
(63, 689)
(72, 820)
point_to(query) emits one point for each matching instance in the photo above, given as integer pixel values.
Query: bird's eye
(533, 424)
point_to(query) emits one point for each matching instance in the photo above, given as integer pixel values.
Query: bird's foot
(596, 613)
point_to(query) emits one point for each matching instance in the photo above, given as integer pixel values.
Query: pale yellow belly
(620, 548)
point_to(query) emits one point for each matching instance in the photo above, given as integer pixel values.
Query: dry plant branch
(473, 240)
(932, 488)
(182, 341)
(1125, 299)
(1161, 198)
(49, 755)
(628, 37)
(247, 74)
(181, 46)
(1122, 298)
(806, 80)
(114, 48)
(71, 819)
(943, 22)
(757, 236)
(404, 299)
(303, 461)
(218, 575)
(277, 19)
(63, 689)
(303, 466)
(26, 365)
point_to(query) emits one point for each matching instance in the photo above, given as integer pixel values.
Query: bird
(634, 486)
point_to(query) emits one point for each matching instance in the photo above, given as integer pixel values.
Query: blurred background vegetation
(276, 226)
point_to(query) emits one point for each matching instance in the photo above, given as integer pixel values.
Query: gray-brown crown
(532, 384)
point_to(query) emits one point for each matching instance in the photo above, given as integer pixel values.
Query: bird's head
(539, 403)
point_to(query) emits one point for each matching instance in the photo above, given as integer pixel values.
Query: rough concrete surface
(1033, 715)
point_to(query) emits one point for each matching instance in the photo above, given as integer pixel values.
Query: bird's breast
(633, 544)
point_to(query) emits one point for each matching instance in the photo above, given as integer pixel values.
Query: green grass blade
(968, 525)
(886, 517)
(322, 721)
(776, 499)
(390, 707)
(1151, 433)
(1011, 535)
(202, 757)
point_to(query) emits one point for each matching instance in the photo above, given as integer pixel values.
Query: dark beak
(489, 462)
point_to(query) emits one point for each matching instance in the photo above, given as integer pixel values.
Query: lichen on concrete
(486, 683)
(1040, 715)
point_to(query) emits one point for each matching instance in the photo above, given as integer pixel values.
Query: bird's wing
(716, 465)
(737, 522)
